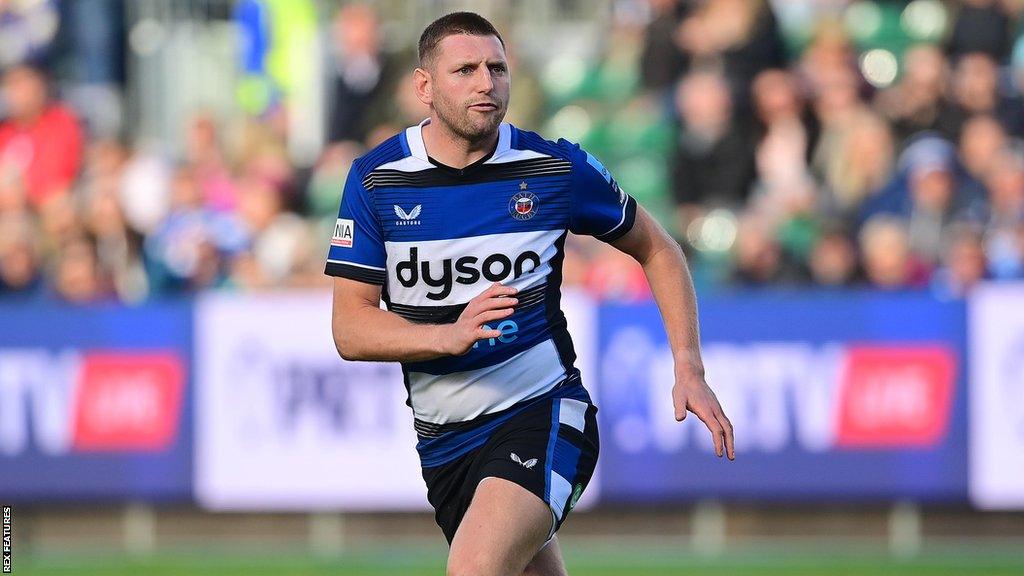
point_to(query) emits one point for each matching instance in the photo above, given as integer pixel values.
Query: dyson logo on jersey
(494, 268)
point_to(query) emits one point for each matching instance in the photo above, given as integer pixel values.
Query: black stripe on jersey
(449, 314)
(359, 273)
(553, 307)
(483, 173)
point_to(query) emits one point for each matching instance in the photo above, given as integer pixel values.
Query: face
(24, 92)
(467, 85)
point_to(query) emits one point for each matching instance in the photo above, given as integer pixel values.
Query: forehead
(469, 48)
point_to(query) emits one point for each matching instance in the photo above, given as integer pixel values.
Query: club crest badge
(523, 205)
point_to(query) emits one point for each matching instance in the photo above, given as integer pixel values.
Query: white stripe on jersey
(516, 155)
(461, 396)
(355, 264)
(407, 164)
(512, 245)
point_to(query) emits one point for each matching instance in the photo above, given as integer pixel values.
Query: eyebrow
(464, 63)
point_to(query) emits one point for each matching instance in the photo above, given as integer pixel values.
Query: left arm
(666, 270)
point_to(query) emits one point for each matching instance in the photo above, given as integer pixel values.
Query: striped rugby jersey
(434, 237)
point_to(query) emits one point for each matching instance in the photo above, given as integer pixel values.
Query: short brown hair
(451, 24)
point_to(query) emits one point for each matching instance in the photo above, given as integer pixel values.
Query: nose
(485, 83)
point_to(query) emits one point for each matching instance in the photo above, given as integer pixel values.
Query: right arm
(362, 331)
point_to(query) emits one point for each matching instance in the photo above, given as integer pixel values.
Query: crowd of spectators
(785, 165)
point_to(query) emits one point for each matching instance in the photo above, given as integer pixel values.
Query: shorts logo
(575, 496)
(622, 193)
(344, 233)
(409, 218)
(529, 464)
(523, 205)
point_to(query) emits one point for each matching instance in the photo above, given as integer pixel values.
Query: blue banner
(833, 396)
(94, 402)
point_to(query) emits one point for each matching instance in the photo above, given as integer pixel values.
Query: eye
(498, 69)
(465, 70)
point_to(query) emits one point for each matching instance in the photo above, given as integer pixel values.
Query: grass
(603, 561)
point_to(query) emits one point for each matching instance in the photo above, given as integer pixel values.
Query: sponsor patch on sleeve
(344, 233)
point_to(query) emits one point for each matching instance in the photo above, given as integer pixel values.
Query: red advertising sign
(128, 401)
(895, 396)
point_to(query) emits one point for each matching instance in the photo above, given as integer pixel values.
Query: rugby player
(458, 224)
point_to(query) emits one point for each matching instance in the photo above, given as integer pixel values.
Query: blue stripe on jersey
(452, 445)
(531, 329)
(405, 144)
(566, 457)
(388, 151)
(472, 209)
(549, 461)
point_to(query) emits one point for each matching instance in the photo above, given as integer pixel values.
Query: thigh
(502, 531)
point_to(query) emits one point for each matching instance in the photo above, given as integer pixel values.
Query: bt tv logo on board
(89, 401)
(781, 396)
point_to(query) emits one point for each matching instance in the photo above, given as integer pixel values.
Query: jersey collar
(414, 136)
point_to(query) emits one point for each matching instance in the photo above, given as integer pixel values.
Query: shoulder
(390, 150)
(563, 149)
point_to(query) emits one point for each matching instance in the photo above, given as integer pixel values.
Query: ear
(423, 83)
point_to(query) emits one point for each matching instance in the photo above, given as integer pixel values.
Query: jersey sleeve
(599, 208)
(357, 245)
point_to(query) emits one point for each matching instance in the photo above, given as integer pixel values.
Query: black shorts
(548, 446)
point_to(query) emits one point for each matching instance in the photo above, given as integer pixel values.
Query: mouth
(484, 107)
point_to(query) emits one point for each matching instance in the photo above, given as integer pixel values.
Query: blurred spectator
(833, 260)
(361, 75)
(324, 191)
(739, 37)
(779, 104)
(61, 221)
(20, 271)
(279, 240)
(27, 30)
(928, 191)
(963, 263)
(784, 189)
(975, 89)
(713, 163)
(1004, 243)
(78, 277)
(913, 104)
(40, 141)
(118, 247)
(205, 154)
(187, 249)
(661, 60)
(981, 26)
(759, 259)
(982, 140)
(885, 250)
(828, 54)
(858, 164)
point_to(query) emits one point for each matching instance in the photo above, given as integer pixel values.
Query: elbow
(345, 345)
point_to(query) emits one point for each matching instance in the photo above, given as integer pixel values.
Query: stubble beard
(459, 122)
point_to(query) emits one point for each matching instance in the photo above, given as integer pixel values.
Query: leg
(502, 531)
(547, 562)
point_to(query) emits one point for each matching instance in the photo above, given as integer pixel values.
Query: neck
(454, 150)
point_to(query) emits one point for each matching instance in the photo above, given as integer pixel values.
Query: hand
(492, 304)
(692, 393)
